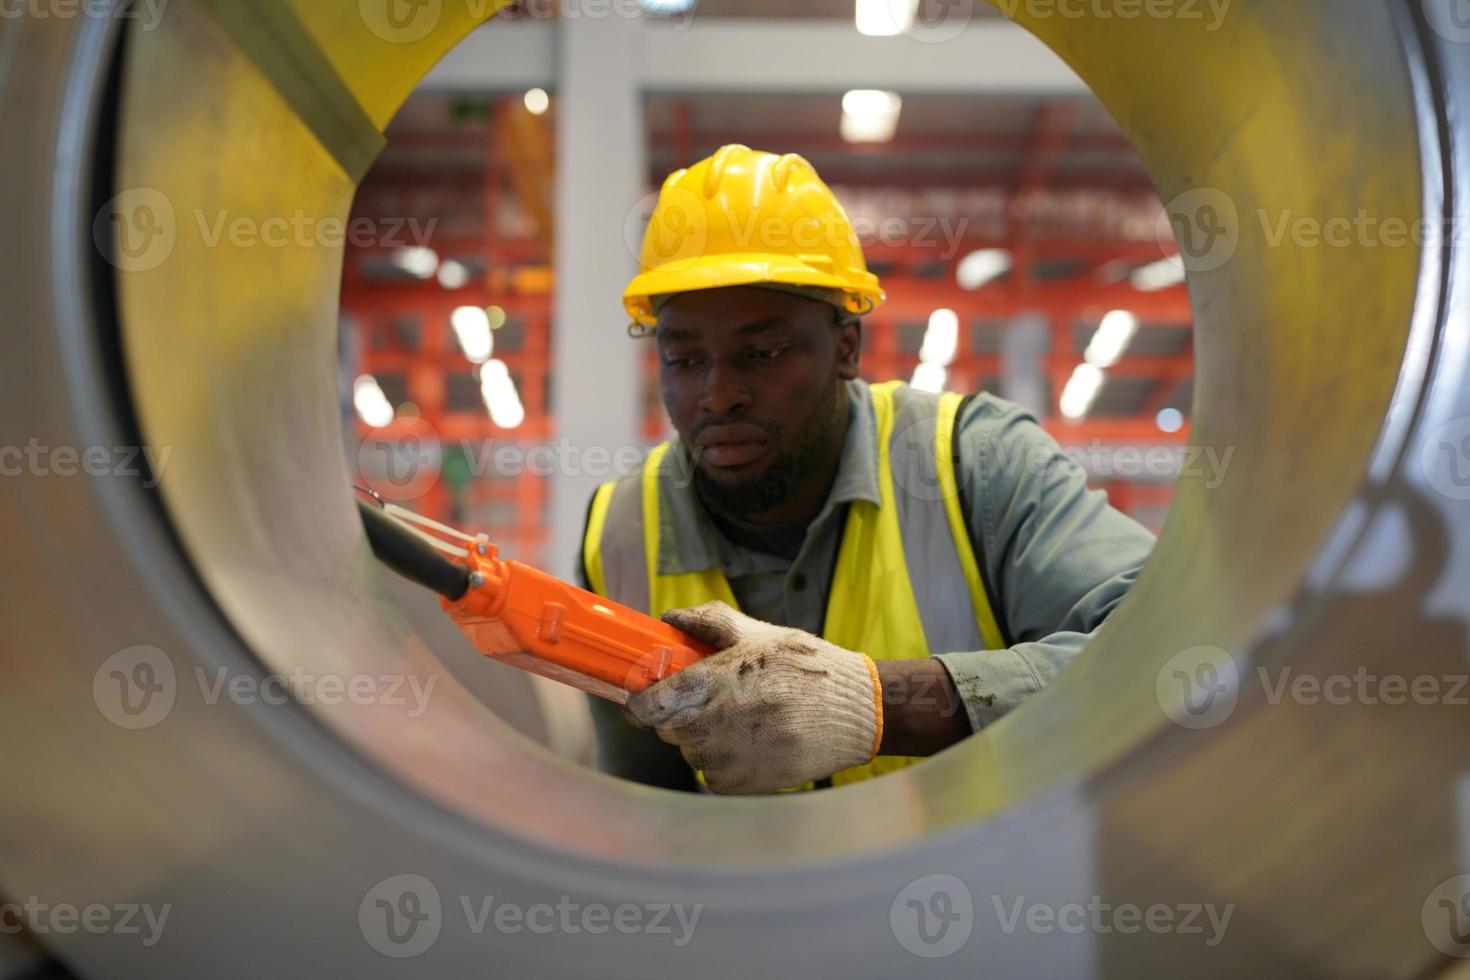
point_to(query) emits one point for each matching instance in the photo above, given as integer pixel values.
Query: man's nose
(724, 390)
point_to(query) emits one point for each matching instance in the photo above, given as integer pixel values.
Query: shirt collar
(688, 539)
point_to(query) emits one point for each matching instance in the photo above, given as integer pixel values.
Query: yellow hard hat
(743, 217)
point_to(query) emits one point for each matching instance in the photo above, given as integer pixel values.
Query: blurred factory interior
(1022, 246)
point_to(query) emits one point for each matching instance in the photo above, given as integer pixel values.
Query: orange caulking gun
(519, 615)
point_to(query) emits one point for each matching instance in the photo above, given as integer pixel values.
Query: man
(882, 570)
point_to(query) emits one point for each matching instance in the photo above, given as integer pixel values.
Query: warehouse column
(1023, 350)
(599, 181)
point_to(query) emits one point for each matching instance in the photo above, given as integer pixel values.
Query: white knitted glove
(773, 709)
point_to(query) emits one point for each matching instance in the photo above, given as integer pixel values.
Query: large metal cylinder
(1332, 382)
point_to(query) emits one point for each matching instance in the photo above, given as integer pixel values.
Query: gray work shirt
(1058, 556)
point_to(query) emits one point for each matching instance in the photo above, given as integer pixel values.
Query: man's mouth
(728, 446)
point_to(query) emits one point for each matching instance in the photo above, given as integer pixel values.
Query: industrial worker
(883, 570)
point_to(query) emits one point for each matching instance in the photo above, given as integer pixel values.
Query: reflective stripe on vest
(916, 536)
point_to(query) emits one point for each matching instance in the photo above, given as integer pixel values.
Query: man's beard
(768, 490)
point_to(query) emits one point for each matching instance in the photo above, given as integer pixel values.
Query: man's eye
(767, 353)
(677, 361)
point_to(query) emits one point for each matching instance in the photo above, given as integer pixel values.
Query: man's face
(753, 381)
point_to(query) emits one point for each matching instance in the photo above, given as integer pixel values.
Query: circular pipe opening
(268, 523)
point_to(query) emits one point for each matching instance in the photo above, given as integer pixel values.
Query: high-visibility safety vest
(906, 583)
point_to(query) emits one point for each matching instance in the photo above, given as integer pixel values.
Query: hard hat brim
(743, 269)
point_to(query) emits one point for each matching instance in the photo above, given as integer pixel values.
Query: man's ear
(849, 347)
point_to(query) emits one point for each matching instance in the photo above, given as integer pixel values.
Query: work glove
(773, 708)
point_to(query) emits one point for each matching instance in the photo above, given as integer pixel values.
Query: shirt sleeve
(1057, 556)
(625, 750)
